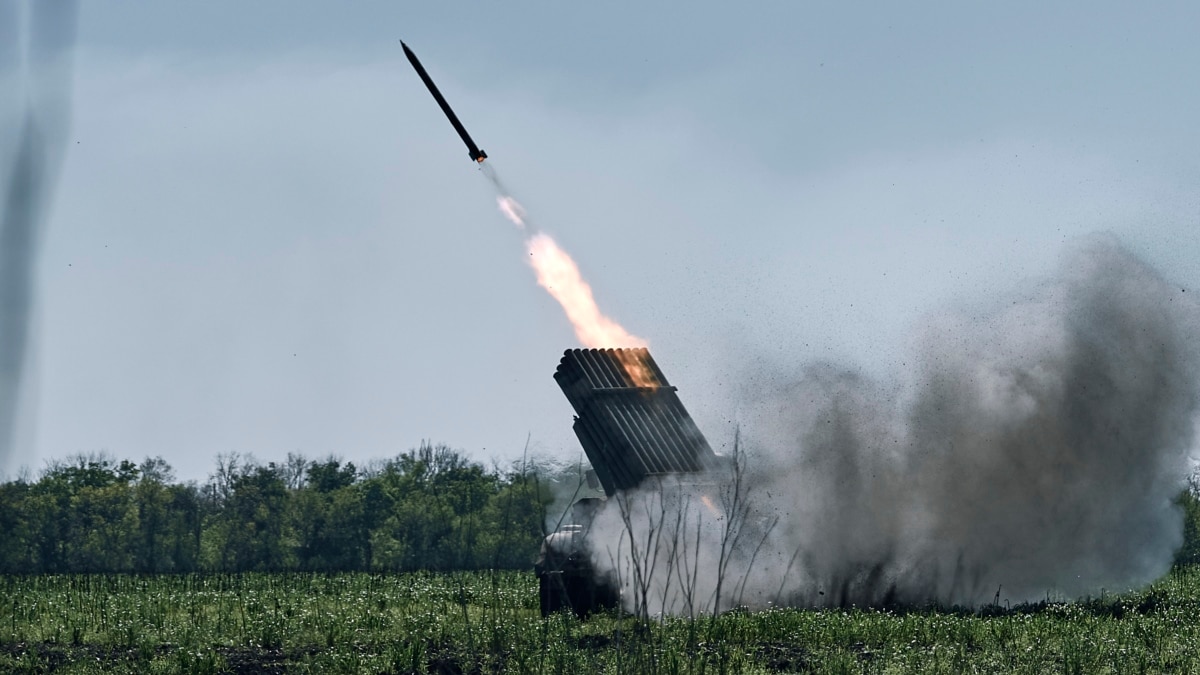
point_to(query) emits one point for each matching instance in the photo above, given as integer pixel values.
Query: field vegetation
(318, 567)
(483, 622)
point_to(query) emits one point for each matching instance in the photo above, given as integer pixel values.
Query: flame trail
(512, 210)
(560, 276)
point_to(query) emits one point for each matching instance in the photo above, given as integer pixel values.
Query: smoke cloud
(35, 69)
(1028, 451)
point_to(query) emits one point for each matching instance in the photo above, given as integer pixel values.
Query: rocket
(476, 154)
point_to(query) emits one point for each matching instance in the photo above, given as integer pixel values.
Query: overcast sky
(267, 239)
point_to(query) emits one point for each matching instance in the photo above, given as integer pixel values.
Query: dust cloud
(1023, 452)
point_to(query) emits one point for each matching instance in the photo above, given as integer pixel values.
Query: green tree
(18, 526)
(247, 528)
(332, 532)
(427, 508)
(85, 520)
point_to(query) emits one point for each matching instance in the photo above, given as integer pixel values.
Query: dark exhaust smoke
(35, 51)
(1028, 451)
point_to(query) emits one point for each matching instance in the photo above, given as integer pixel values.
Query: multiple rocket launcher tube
(476, 154)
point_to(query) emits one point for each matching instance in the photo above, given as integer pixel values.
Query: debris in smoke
(1036, 450)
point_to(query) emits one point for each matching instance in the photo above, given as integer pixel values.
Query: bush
(1189, 501)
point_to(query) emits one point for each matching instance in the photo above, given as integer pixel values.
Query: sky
(266, 238)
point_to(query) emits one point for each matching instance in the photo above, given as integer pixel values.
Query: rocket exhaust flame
(558, 273)
(512, 210)
(560, 276)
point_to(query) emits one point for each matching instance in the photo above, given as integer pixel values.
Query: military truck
(633, 428)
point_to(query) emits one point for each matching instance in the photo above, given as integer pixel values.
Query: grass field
(482, 622)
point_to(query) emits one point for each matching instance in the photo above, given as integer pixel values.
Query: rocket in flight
(476, 154)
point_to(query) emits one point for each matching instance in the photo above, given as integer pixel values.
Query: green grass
(482, 622)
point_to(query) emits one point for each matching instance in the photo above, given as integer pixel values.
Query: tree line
(427, 508)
